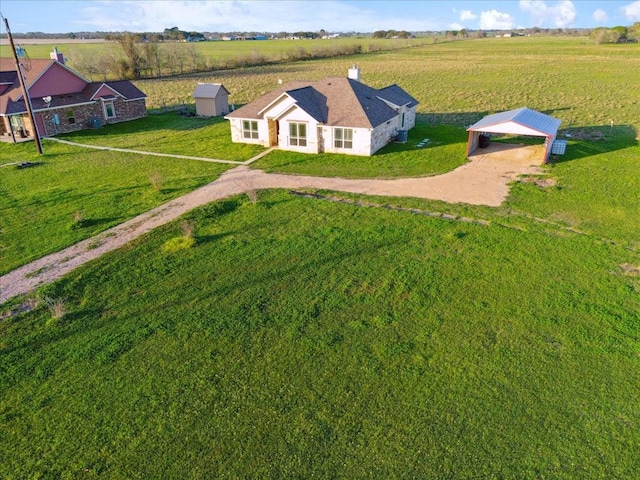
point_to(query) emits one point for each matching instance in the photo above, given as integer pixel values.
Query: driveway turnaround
(481, 181)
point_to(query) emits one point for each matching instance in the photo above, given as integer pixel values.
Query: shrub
(56, 306)
(184, 242)
(156, 181)
(178, 243)
(78, 220)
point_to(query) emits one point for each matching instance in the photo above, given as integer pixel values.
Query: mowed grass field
(215, 50)
(570, 78)
(303, 338)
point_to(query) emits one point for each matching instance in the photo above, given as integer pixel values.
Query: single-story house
(335, 114)
(212, 99)
(521, 121)
(62, 100)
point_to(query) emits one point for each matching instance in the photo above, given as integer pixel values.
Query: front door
(40, 125)
(273, 132)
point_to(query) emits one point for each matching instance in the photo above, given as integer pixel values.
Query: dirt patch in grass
(630, 270)
(538, 181)
(25, 306)
(585, 134)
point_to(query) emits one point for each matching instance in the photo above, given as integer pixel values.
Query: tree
(608, 35)
(130, 67)
(622, 33)
(175, 34)
(634, 32)
(152, 64)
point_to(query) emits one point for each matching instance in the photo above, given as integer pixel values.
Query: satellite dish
(47, 99)
(279, 81)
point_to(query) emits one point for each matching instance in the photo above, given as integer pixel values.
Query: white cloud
(455, 26)
(495, 20)
(561, 14)
(241, 15)
(467, 15)
(632, 11)
(600, 16)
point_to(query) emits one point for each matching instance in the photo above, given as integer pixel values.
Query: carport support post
(25, 91)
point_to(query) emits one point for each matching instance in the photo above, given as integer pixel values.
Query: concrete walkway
(479, 182)
(156, 154)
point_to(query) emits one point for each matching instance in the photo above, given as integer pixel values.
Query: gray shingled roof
(522, 116)
(208, 90)
(341, 101)
(311, 101)
(397, 96)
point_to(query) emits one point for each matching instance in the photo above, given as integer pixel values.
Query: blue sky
(64, 16)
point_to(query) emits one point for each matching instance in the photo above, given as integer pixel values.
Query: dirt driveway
(481, 181)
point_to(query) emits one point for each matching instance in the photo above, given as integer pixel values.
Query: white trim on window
(343, 138)
(250, 129)
(109, 109)
(297, 134)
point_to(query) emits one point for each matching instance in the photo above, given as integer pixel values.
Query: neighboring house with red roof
(62, 100)
(335, 114)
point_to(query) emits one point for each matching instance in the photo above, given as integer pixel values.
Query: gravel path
(482, 181)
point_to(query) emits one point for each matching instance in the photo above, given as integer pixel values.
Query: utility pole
(25, 91)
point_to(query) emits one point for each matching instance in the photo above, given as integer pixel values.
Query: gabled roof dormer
(104, 91)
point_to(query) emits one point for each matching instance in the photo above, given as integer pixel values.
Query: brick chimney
(55, 55)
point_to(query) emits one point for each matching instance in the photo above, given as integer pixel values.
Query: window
(298, 134)
(16, 122)
(249, 129)
(71, 117)
(343, 138)
(109, 110)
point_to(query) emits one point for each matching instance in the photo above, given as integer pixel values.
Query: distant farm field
(215, 49)
(339, 335)
(571, 78)
(85, 56)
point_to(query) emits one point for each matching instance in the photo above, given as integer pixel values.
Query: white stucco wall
(320, 138)
(236, 132)
(361, 141)
(296, 115)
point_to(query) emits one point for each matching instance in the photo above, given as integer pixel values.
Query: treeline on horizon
(175, 34)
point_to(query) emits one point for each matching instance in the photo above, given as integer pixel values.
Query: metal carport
(521, 121)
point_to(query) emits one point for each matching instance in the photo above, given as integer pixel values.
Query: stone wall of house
(82, 116)
(126, 110)
(382, 134)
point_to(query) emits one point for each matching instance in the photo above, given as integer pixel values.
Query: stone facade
(77, 117)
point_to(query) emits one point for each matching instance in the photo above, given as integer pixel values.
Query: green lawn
(304, 338)
(445, 151)
(173, 134)
(73, 193)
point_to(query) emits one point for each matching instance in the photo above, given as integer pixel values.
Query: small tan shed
(212, 99)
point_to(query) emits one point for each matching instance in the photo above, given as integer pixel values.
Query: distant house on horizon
(62, 100)
(334, 115)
